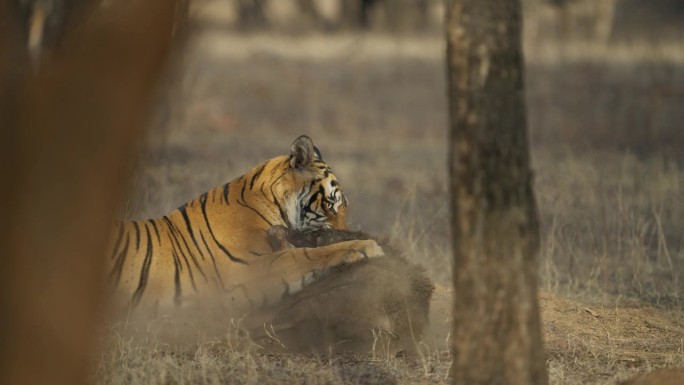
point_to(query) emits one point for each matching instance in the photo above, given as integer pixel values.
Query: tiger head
(318, 199)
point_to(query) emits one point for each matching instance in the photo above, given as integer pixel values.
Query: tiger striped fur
(217, 244)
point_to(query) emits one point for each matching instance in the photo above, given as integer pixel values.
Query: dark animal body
(351, 307)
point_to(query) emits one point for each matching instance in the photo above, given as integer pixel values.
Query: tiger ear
(302, 152)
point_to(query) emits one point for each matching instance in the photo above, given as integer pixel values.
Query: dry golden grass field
(606, 136)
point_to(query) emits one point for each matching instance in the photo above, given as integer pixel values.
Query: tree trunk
(67, 129)
(496, 337)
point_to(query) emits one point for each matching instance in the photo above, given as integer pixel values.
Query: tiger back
(217, 245)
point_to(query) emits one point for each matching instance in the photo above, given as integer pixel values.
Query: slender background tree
(496, 335)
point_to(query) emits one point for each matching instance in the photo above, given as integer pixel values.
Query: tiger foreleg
(286, 272)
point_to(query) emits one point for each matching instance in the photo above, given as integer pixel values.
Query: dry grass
(612, 226)
(599, 344)
(609, 183)
(586, 344)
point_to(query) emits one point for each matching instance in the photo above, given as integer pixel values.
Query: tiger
(218, 243)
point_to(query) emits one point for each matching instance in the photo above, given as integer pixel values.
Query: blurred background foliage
(604, 20)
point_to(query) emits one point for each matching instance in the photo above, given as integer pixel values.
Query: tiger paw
(365, 249)
(372, 249)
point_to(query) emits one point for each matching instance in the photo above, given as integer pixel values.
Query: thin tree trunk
(496, 337)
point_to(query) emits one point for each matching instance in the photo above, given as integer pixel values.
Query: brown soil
(599, 344)
(658, 377)
(635, 335)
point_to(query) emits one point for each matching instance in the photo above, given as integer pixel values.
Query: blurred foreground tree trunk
(69, 117)
(497, 332)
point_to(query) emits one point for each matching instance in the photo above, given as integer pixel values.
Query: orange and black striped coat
(217, 244)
